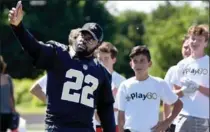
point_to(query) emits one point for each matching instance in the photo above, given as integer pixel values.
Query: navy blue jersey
(75, 86)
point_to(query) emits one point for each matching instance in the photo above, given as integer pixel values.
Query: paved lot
(35, 122)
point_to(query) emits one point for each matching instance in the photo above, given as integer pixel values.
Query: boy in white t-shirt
(139, 97)
(171, 72)
(191, 83)
(107, 54)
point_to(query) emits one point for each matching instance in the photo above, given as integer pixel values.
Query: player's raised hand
(15, 15)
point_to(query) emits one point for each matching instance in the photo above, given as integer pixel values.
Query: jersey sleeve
(105, 108)
(43, 83)
(105, 91)
(43, 54)
(121, 98)
(166, 93)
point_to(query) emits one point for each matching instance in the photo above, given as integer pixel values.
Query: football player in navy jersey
(77, 83)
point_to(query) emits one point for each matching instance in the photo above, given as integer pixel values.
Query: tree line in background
(161, 30)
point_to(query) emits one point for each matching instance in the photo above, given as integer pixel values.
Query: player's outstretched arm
(28, 42)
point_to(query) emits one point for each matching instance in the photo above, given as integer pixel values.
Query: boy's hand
(161, 126)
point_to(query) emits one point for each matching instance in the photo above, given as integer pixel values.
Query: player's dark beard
(82, 51)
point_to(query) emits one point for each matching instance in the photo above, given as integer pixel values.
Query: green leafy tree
(164, 33)
(129, 33)
(51, 21)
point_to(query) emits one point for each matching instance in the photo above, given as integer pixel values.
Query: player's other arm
(105, 105)
(27, 41)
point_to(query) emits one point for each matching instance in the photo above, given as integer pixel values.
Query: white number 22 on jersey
(77, 85)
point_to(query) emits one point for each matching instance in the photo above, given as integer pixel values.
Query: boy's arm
(39, 88)
(121, 100)
(181, 91)
(178, 91)
(163, 125)
(177, 106)
(204, 90)
(171, 98)
(121, 120)
(168, 77)
(166, 110)
(36, 90)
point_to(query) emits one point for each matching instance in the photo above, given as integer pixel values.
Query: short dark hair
(140, 50)
(107, 47)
